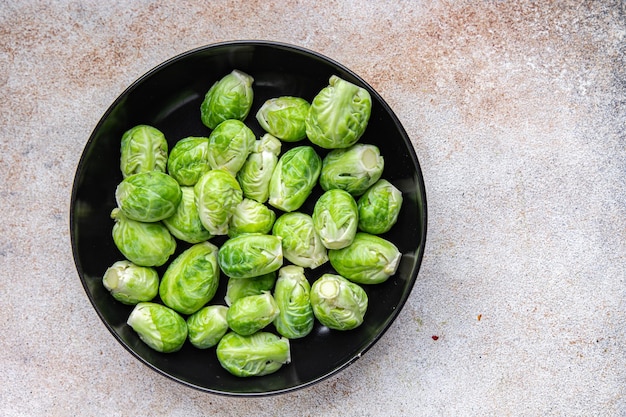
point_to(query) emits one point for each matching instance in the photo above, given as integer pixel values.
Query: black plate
(168, 97)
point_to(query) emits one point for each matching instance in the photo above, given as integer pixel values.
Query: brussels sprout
(338, 303)
(129, 283)
(229, 145)
(250, 255)
(338, 115)
(217, 193)
(294, 177)
(229, 98)
(188, 160)
(251, 217)
(379, 207)
(237, 288)
(368, 260)
(144, 244)
(292, 295)
(143, 149)
(301, 243)
(158, 326)
(259, 354)
(284, 117)
(352, 169)
(250, 314)
(191, 280)
(255, 174)
(148, 196)
(207, 326)
(185, 223)
(336, 218)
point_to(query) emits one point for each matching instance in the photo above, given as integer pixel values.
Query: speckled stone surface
(517, 111)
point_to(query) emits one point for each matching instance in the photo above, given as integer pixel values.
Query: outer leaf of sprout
(284, 117)
(143, 148)
(369, 259)
(188, 160)
(229, 98)
(251, 217)
(217, 193)
(185, 223)
(207, 326)
(259, 354)
(229, 145)
(336, 218)
(338, 115)
(144, 244)
(250, 255)
(294, 177)
(158, 326)
(252, 313)
(301, 244)
(148, 196)
(379, 207)
(191, 280)
(256, 173)
(237, 288)
(352, 169)
(129, 283)
(338, 303)
(292, 295)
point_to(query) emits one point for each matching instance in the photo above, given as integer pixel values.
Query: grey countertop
(517, 112)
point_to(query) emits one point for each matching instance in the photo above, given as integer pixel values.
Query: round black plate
(168, 97)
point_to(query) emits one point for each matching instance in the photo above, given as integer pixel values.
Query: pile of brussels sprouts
(234, 185)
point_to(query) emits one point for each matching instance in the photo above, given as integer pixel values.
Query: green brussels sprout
(255, 174)
(259, 354)
(188, 160)
(229, 145)
(284, 117)
(302, 245)
(379, 207)
(229, 98)
(148, 196)
(191, 280)
(294, 177)
(369, 259)
(338, 115)
(237, 288)
(352, 169)
(143, 149)
(144, 244)
(158, 326)
(207, 326)
(251, 217)
(217, 193)
(250, 255)
(338, 303)
(185, 223)
(292, 294)
(129, 283)
(336, 218)
(252, 313)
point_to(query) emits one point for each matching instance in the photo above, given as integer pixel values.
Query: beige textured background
(517, 113)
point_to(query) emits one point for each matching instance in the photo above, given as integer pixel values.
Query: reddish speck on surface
(435, 337)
